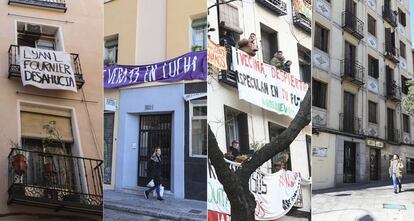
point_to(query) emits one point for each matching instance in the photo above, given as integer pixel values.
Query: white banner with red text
(275, 194)
(267, 86)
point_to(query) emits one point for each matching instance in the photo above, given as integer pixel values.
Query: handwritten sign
(217, 55)
(47, 69)
(190, 66)
(275, 193)
(266, 86)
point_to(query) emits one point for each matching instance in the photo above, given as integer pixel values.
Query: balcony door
(390, 124)
(350, 54)
(350, 8)
(349, 112)
(155, 131)
(374, 159)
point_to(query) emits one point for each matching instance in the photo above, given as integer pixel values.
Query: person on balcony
(154, 172)
(227, 39)
(278, 60)
(396, 172)
(249, 45)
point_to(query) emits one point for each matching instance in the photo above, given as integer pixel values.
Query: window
(39, 36)
(236, 125)
(404, 86)
(410, 166)
(282, 159)
(372, 112)
(373, 67)
(321, 36)
(269, 43)
(304, 55)
(372, 25)
(402, 50)
(390, 125)
(111, 51)
(319, 94)
(198, 127)
(406, 123)
(199, 34)
(402, 17)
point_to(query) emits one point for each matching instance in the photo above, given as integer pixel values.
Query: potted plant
(197, 48)
(19, 161)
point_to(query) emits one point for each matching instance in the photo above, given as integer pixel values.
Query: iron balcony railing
(389, 16)
(392, 135)
(350, 124)
(229, 76)
(59, 5)
(55, 181)
(302, 22)
(353, 71)
(393, 91)
(14, 65)
(352, 24)
(277, 6)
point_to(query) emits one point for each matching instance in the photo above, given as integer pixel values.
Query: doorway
(374, 157)
(154, 131)
(349, 162)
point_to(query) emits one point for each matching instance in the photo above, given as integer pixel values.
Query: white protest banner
(275, 194)
(47, 69)
(266, 86)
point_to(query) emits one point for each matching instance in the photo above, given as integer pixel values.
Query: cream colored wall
(179, 16)
(82, 30)
(323, 168)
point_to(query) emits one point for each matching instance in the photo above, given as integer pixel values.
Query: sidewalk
(364, 202)
(134, 202)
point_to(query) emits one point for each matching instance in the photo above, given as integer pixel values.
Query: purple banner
(190, 66)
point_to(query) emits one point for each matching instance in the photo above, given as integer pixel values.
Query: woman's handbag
(151, 183)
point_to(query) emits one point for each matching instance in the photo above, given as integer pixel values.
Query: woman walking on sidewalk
(396, 172)
(154, 172)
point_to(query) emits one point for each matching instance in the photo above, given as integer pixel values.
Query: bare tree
(236, 184)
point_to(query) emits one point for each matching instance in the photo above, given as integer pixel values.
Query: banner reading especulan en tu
(266, 86)
(190, 66)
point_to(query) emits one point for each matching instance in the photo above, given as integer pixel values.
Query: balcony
(60, 182)
(392, 135)
(350, 124)
(58, 5)
(302, 22)
(277, 6)
(393, 92)
(353, 25)
(229, 76)
(352, 71)
(14, 66)
(391, 53)
(389, 16)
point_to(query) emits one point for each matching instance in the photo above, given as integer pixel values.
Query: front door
(374, 163)
(154, 131)
(349, 162)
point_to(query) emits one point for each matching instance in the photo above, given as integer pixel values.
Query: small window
(402, 18)
(319, 94)
(236, 124)
(404, 86)
(406, 123)
(111, 51)
(269, 43)
(199, 34)
(372, 112)
(403, 52)
(410, 165)
(198, 128)
(373, 67)
(321, 37)
(372, 25)
(38, 36)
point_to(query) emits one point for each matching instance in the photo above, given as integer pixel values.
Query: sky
(412, 19)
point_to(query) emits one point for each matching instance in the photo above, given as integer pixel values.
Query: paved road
(114, 215)
(364, 203)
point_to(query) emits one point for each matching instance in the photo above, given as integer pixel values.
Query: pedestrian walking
(396, 172)
(154, 172)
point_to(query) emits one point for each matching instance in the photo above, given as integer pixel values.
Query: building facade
(50, 137)
(278, 26)
(171, 115)
(361, 63)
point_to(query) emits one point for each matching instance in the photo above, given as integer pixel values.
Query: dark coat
(235, 152)
(155, 170)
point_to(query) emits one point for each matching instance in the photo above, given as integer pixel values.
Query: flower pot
(19, 164)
